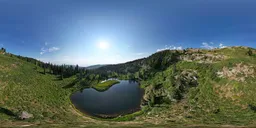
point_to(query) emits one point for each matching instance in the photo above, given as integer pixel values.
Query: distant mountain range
(95, 66)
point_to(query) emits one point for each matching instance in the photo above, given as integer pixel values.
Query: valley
(190, 87)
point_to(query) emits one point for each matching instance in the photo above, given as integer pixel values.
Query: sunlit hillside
(190, 87)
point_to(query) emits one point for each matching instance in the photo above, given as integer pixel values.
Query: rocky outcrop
(238, 73)
(156, 94)
(202, 58)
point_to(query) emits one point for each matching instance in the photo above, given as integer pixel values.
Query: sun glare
(103, 45)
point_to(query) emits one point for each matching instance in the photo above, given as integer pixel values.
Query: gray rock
(25, 115)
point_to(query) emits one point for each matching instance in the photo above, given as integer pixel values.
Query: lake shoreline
(132, 113)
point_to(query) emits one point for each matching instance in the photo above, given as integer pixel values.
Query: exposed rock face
(154, 91)
(202, 58)
(25, 115)
(239, 72)
(178, 89)
(188, 78)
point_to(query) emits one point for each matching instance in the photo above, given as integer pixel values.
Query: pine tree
(3, 50)
(76, 69)
(44, 69)
(62, 72)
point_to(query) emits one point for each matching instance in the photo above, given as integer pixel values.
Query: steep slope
(194, 86)
(209, 86)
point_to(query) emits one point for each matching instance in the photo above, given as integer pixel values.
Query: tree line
(64, 71)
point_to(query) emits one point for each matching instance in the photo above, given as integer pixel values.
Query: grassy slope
(23, 88)
(105, 85)
(215, 100)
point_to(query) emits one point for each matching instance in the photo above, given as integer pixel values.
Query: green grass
(24, 88)
(105, 85)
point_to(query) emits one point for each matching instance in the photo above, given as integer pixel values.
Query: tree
(250, 53)
(44, 69)
(76, 69)
(62, 71)
(3, 50)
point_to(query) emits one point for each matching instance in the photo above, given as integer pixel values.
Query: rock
(202, 58)
(25, 115)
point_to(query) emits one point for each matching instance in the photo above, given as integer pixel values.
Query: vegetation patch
(105, 85)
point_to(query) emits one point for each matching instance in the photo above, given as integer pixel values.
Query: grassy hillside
(191, 87)
(197, 86)
(24, 88)
(203, 91)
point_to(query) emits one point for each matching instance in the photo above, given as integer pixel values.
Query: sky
(88, 32)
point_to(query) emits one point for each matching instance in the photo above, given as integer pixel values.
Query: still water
(122, 98)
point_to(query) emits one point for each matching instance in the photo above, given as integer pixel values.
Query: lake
(120, 99)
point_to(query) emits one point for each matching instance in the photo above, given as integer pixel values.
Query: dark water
(122, 98)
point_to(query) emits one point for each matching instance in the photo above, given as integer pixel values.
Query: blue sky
(88, 32)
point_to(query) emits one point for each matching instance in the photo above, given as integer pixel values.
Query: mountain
(95, 66)
(190, 87)
(195, 85)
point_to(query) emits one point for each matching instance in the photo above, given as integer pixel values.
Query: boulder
(25, 115)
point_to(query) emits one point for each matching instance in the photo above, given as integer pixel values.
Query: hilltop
(182, 87)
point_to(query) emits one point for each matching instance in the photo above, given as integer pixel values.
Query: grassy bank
(105, 85)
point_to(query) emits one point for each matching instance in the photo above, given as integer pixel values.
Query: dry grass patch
(238, 73)
(227, 91)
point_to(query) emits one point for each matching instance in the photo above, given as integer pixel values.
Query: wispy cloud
(172, 47)
(46, 49)
(140, 53)
(212, 45)
(208, 45)
(1, 45)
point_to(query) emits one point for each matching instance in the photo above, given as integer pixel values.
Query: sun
(103, 45)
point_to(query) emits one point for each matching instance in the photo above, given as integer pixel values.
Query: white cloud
(212, 45)
(1, 45)
(170, 48)
(222, 46)
(46, 49)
